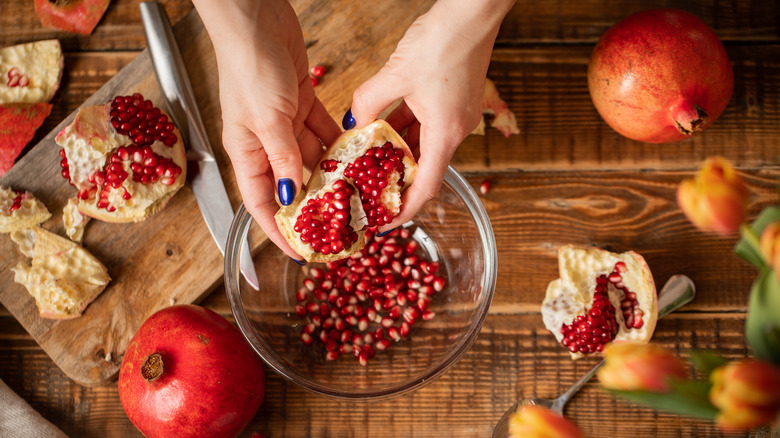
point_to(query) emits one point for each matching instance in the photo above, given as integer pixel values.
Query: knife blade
(205, 179)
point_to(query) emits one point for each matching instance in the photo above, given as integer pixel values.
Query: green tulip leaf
(748, 247)
(688, 398)
(762, 329)
(707, 361)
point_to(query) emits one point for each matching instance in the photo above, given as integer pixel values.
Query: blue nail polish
(348, 122)
(385, 233)
(298, 262)
(286, 191)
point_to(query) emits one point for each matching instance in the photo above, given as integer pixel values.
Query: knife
(205, 180)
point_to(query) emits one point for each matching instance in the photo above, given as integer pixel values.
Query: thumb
(375, 95)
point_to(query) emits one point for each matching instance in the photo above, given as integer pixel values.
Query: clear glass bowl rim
(237, 235)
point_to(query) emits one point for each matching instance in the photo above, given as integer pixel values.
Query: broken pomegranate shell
(30, 72)
(63, 277)
(126, 159)
(18, 123)
(503, 118)
(600, 298)
(357, 184)
(20, 209)
(76, 16)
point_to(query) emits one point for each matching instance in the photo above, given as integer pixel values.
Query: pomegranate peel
(19, 210)
(18, 123)
(30, 72)
(63, 277)
(76, 16)
(503, 118)
(601, 297)
(126, 159)
(356, 184)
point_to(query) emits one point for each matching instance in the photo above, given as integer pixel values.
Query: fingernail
(385, 233)
(348, 122)
(286, 190)
(298, 262)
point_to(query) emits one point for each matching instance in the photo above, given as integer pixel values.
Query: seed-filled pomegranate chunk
(601, 297)
(324, 221)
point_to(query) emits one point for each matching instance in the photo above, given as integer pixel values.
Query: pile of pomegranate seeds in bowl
(383, 321)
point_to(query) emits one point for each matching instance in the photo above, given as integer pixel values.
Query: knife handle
(172, 75)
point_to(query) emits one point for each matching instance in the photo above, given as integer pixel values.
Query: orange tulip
(747, 394)
(716, 199)
(770, 245)
(632, 366)
(532, 421)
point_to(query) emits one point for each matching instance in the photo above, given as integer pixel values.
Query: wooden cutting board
(171, 257)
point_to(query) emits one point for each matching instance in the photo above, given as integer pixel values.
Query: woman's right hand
(273, 124)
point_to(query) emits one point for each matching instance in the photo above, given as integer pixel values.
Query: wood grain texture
(567, 178)
(513, 357)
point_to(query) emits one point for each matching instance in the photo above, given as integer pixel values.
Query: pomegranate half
(660, 76)
(356, 184)
(126, 159)
(188, 372)
(601, 297)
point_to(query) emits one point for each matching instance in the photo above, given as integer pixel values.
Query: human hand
(438, 69)
(272, 120)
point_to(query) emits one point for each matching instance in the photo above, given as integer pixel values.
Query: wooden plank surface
(567, 178)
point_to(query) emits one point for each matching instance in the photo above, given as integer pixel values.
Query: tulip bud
(632, 366)
(716, 199)
(770, 245)
(747, 394)
(531, 421)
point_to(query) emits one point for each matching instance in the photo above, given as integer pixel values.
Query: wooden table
(567, 178)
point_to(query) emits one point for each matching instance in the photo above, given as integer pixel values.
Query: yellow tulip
(716, 199)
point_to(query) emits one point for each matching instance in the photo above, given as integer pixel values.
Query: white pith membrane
(20, 210)
(30, 72)
(349, 147)
(73, 221)
(572, 294)
(62, 276)
(89, 142)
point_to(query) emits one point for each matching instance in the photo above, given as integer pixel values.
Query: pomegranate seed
(317, 71)
(314, 81)
(484, 187)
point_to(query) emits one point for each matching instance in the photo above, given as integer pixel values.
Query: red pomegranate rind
(363, 304)
(18, 123)
(117, 179)
(601, 297)
(377, 164)
(76, 16)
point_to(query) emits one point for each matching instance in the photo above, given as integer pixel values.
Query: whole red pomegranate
(660, 76)
(189, 373)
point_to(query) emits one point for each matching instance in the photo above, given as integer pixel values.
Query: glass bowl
(452, 230)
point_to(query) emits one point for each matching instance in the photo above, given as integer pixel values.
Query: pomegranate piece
(601, 297)
(126, 159)
(76, 16)
(357, 184)
(62, 277)
(484, 187)
(659, 76)
(503, 118)
(30, 72)
(363, 304)
(18, 123)
(19, 210)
